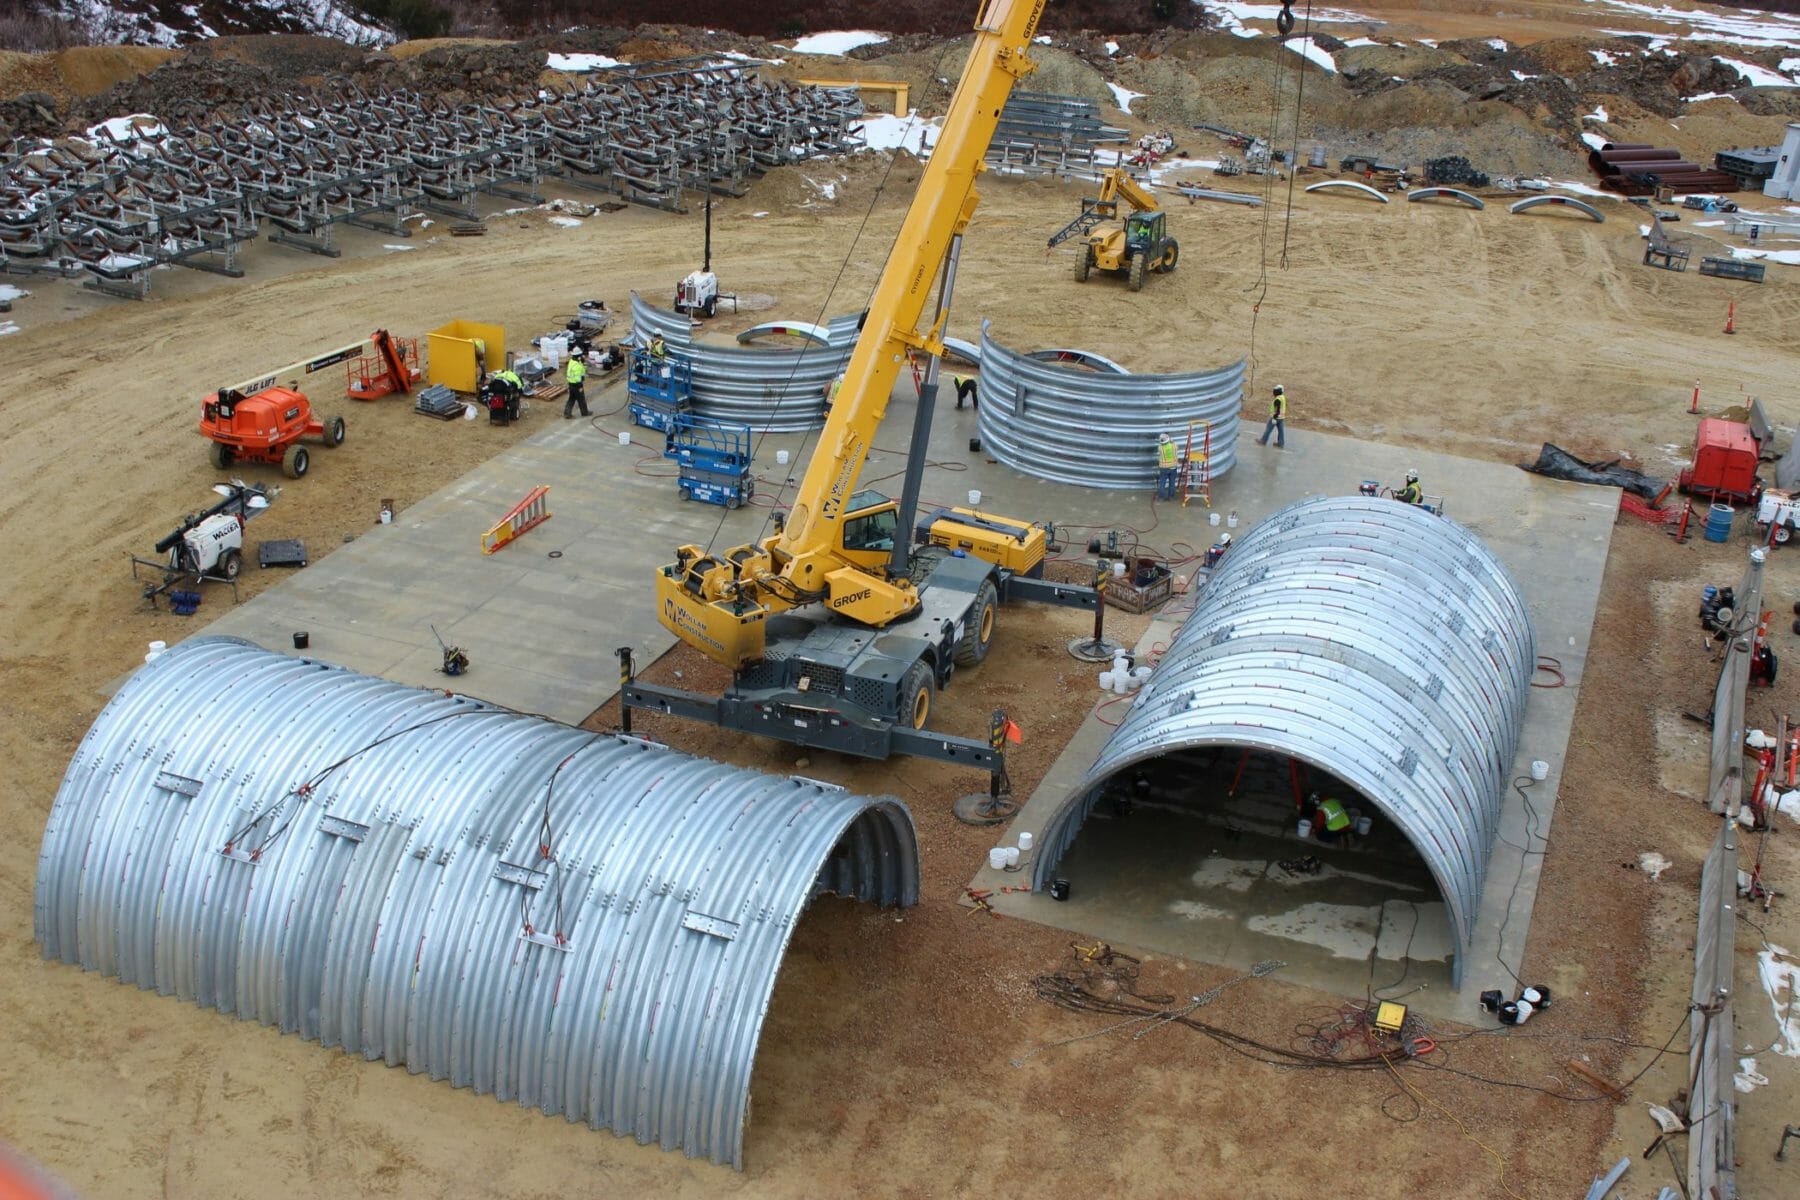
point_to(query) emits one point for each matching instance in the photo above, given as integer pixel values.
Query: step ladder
(1196, 464)
(529, 513)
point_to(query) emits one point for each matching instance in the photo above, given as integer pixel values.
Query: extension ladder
(1196, 465)
(529, 513)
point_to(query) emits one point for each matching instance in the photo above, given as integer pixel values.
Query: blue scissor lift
(660, 389)
(713, 458)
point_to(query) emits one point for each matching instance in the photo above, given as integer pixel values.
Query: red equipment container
(1725, 461)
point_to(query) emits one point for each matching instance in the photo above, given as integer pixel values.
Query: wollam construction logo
(850, 460)
(682, 621)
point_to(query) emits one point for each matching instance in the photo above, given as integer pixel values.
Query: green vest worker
(1330, 820)
(1165, 468)
(577, 377)
(1277, 420)
(1411, 493)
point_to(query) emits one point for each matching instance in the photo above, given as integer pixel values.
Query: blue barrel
(1718, 523)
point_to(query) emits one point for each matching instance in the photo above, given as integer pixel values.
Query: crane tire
(915, 696)
(978, 635)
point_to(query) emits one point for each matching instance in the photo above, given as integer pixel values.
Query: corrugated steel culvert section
(1097, 429)
(1369, 639)
(780, 391)
(384, 888)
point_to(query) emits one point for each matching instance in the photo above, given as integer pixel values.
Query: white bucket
(997, 858)
(1140, 673)
(1012, 856)
(1213, 519)
(1231, 521)
(1304, 829)
(1540, 770)
(974, 497)
(1118, 570)
(1024, 840)
(386, 517)
(624, 437)
(781, 458)
(1106, 681)
(1363, 825)
(156, 649)
(1121, 684)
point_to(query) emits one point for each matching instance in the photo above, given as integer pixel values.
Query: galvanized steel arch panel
(1532, 202)
(1081, 358)
(1096, 429)
(778, 391)
(385, 910)
(1444, 193)
(1347, 184)
(1370, 639)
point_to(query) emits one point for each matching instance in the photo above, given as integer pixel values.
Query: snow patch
(1522, 76)
(135, 127)
(1124, 96)
(1754, 75)
(1599, 114)
(760, 214)
(1781, 975)
(397, 246)
(1790, 257)
(580, 63)
(1594, 140)
(7, 327)
(1704, 96)
(838, 42)
(9, 292)
(1605, 59)
(1497, 43)
(1650, 862)
(1308, 49)
(1748, 1079)
(888, 132)
(1113, 48)
(566, 222)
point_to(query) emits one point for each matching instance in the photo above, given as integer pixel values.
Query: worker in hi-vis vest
(577, 379)
(1411, 492)
(1277, 420)
(1329, 818)
(1166, 470)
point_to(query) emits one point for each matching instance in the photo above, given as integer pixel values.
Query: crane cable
(1299, 106)
(1284, 22)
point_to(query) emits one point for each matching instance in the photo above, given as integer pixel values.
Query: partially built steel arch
(1365, 638)
(776, 390)
(1098, 428)
(585, 923)
(1420, 195)
(1531, 202)
(1350, 184)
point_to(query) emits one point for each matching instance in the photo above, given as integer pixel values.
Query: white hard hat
(1165, 437)
(1280, 391)
(1412, 477)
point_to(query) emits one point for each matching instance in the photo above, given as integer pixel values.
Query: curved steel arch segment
(777, 391)
(1368, 639)
(1097, 429)
(819, 335)
(1531, 202)
(359, 863)
(1444, 193)
(1080, 358)
(1350, 184)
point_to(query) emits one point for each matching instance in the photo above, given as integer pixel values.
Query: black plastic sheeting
(1558, 463)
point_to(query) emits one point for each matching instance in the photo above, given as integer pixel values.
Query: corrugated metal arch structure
(384, 889)
(777, 391)
(1369, 639)
(1095, 429)
(1444, 193)
(1347, 185)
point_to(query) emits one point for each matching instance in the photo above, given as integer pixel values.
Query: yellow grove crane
(1140, 245)
(836, 632)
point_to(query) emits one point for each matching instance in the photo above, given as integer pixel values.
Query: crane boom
(718, 604)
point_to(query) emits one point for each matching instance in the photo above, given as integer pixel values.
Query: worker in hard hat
(1167, 468)
(576, 377)
(965, 390)
(1329, 818)
(1411, 492)
(1277, 420)
(659, 349)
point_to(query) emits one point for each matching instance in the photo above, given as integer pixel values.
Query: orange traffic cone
(1731, 318)
(1694, 406)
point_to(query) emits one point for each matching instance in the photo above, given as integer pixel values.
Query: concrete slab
(1531, 524)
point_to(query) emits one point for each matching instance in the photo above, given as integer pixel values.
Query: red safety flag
(1013, 733)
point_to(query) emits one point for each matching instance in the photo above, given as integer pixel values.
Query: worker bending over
(504, 389)
(965, 390)
(1411, 492)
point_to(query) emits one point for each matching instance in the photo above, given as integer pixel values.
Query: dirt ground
(885, 1065)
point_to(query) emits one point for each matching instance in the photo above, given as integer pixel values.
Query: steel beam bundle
(114, 209)
(1041, 133)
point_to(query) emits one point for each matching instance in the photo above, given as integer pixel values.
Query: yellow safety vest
(658, 350)
(577, 370)
(1411, 494)
(1278, 407)
(1335, 816)
(510, 376)
(1166, 451)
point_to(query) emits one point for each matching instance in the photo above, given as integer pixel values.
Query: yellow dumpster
(451, 360)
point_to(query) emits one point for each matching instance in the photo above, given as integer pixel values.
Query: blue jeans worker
(1166, 469)
(1277, 420)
